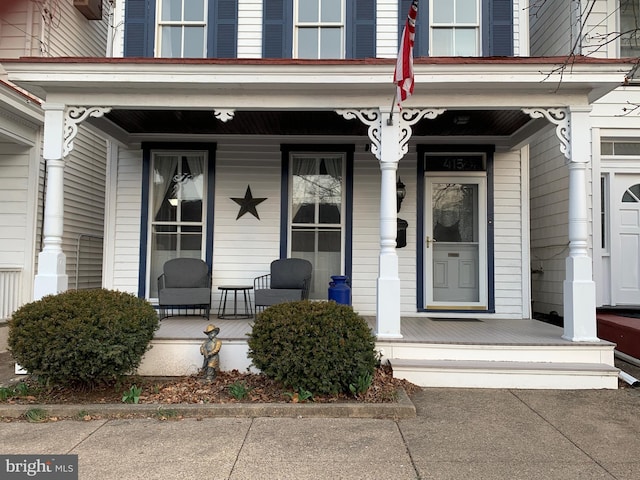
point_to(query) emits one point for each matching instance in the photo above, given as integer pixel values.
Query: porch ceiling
(199, 122)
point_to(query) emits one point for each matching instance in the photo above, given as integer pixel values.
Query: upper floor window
(455, 28)
(319, 29)
(464, 28)
(629, 28)
(182, 29)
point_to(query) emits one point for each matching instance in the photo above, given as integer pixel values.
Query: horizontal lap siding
(366, 230)
(508, 234)
(84, 194)
(549, 229)
(14, 181)
(244, 247)
(551, 30)
(127, 205)
(249, 28)
(387, 28)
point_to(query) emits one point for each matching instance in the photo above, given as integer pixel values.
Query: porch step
(506, 374)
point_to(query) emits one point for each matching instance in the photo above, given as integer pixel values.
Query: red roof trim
(21, 92)
(367, 61)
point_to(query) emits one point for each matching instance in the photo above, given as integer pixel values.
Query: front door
(627, 198)
(455, 242)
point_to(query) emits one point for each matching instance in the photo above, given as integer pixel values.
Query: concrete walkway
(456, 434)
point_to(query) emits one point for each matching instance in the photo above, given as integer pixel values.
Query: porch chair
(289, 280)
(184, 286)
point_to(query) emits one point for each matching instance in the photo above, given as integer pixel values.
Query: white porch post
(579, 288)
(51, 277)
(388, 295)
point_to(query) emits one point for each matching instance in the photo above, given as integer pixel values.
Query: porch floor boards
(413, 329)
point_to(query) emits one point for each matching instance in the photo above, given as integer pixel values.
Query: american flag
(403, 75)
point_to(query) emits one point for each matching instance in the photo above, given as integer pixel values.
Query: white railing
(10, 291)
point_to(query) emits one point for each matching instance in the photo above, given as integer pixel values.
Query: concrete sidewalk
(456, 434)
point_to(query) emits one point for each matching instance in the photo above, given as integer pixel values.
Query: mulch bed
(195, 390)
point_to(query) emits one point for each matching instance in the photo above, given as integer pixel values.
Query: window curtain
(164, 171)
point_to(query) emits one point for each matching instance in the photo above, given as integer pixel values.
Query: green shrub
(320, 347)
(82, 337)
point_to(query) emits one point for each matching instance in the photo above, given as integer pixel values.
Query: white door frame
(477, 178)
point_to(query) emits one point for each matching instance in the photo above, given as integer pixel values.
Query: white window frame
(452, 26)
(182, 24)
(319, 25)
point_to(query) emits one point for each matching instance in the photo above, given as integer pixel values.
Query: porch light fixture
(401, 192)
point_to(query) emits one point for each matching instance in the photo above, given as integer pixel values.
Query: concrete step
(506, 374)
(562, 352)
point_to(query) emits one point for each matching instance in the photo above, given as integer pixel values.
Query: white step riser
(561, 354)
(517, 380)
(172, 358)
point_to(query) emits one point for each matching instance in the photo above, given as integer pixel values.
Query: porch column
(579, 289)
(388, 295)
(52, 277)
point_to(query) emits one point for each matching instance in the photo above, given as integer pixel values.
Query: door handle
(429, 240)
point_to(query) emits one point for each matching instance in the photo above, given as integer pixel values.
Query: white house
(601, 29)
(295, 105)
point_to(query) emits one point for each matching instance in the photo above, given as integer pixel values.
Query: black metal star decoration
(248, 204)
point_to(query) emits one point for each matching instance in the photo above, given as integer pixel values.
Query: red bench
(623, 331)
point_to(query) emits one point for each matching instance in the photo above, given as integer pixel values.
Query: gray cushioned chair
(185, 288)
(289, 280)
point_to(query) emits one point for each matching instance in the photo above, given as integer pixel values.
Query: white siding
(123, 247)
(366, 231)
(56, 29)
(84, 191)
(551, 27)
(549, 230)
(387, 29)
(507, 222)
(249, 28)
(18, 212)
(244, 248)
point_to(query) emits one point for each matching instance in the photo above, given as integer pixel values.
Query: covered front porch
(433, 352)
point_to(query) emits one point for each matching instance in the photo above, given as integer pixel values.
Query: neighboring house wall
(555, 30)
(55, 29)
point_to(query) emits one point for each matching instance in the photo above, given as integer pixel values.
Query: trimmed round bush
(321, 347)
(82, 337)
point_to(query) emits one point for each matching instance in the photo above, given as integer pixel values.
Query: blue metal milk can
(340, 290)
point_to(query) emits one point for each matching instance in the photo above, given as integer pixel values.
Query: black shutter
(139, 21)
(277, 28)
(421, 42)
(361, 29)
(498, 28)
(225, 29)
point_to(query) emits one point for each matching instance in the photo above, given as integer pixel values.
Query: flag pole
(393, 106)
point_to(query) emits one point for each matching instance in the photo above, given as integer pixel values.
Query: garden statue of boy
(210, 349)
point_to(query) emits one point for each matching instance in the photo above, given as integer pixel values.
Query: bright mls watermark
(51, 467)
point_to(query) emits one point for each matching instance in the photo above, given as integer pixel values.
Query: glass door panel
(455, 242)
(176, 211)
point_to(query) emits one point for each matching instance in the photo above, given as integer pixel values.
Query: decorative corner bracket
(224, 114)
(370, 117)
(561, 119)
(408, 118)
(73, 117)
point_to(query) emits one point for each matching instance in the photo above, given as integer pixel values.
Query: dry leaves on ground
(195, 390)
